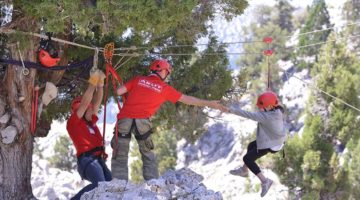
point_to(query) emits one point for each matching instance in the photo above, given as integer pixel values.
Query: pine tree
(256, 63)
(285, 12)
(351, 13)
(354, 170)
(154, 24)
(318, 19)
(329, 124)
(63, 157)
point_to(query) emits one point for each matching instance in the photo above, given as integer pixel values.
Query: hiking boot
(265, 187)
(240, 172)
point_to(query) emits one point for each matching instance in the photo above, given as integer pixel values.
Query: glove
(94, 78)
(101, 79)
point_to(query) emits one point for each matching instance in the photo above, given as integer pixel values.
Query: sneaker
(239, 172)
(265, 187)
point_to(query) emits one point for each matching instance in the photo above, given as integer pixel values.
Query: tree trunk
(16, 146)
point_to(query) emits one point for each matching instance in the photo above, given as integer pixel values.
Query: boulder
(183, 184)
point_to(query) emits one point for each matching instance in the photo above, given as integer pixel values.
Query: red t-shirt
(145, 96)
(84, 136)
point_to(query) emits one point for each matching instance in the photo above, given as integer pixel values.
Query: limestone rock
(5, 118)
(8, 134)
(182, 184)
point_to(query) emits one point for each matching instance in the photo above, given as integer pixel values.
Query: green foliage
(136, 174)
(326, 173)
(285, 12)
(338, 71)
(165, 150)
(206, 77)
(256, 64)
(351, 14)
(318, 19)
(152, 26)
(354, 172)
(165, 142)
(63, 157)
(312, 195)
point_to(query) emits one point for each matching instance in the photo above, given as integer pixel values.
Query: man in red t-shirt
(145, 95)
(86, 136)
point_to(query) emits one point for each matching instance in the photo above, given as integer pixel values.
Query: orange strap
(268, 52)
(108, 53)
(34, 108)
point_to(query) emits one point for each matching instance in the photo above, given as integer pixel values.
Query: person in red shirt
(86, 136)
(145, 95)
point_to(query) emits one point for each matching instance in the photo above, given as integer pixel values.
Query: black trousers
(253, 154)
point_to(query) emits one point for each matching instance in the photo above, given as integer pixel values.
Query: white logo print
(150, 85)
(91, 130)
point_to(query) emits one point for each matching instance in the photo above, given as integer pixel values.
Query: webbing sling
(108, 53)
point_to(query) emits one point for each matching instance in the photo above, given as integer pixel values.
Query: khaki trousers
(140, 128)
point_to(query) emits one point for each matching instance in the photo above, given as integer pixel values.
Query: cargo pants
(141, 128)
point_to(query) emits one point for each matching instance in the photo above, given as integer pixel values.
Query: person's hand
(101, 79)
(94, 78)
(218, 106)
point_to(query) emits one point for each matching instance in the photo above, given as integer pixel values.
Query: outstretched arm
(96, 101)
(87, 97)
(99, 92)
(121, 90)
(85, 100)
(190, 100)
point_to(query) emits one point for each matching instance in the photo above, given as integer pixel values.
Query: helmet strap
(156, 72)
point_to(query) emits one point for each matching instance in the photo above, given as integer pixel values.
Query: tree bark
(15, 116)
(16, 153)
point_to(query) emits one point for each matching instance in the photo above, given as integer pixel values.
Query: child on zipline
(270, 136)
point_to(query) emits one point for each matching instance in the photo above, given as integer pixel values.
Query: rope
(268, 73)
(118, 63)
(9, 31)
(326, 93)
(269, 77)
(96, 59)
(117, 67)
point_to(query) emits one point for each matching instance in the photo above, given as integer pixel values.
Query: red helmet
(267, 99)
(46, 60)
(160, 64)
(75, 104)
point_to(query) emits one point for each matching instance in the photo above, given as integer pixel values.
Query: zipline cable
(320, 30)
(322, 91)
(318, 43)
(184, 45)
(9, 31)
(185, 54)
